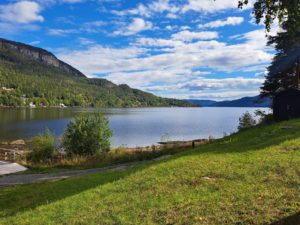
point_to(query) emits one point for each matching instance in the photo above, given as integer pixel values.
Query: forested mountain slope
(39, 80)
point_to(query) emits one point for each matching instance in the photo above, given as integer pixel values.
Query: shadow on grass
(25, 197)
(294, 219)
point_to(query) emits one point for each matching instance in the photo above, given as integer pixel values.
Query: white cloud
(59, 32)
(135, 27)
(85, 41)
(209, 6)
(261, 74)
(221, 23)
(34, 42)
(189, 36)
(176, 61)
(21, 12)
(255, 68)
(202, 84)
(185, 27)
(228, 95)
(171, 27)
(171, 16)
(159, 6)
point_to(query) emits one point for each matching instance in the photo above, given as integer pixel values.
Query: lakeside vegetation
(50, 86)
(250, 177)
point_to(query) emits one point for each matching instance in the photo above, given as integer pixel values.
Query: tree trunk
(297, 77)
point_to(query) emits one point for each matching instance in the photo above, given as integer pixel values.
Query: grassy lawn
(239, 179)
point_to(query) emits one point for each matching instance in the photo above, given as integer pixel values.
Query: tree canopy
(283, 10)
(284, 70)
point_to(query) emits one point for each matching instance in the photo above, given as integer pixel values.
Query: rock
(273, 131)
(206, 178)
(287, 127)
(18, 142)
(4, 143)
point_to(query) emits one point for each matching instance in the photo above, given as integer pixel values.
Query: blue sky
(196, 49)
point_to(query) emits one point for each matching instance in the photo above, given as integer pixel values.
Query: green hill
(47, 81)
(250, 177)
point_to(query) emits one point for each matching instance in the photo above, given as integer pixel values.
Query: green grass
(252, 181)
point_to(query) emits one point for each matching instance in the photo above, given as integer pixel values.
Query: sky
(184, 49)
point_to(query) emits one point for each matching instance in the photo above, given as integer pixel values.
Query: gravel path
(10, 180)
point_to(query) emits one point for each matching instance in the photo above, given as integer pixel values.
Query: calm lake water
(132, 126)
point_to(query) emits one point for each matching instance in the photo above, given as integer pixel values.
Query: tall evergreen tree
(284, 70)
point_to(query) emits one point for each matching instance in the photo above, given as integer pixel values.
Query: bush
(246, 121)
(87, 134)
(264, 118)
(43, 146)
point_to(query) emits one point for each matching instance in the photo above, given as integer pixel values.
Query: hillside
(250, 177)
(243, 102)
(35, 75)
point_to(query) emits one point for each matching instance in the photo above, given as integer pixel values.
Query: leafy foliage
(87, 134)
(276, 9)
(264, 117)
(246, 121)
(50, 86)
(43, 146)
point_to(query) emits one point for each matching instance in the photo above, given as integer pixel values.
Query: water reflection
(132, 126)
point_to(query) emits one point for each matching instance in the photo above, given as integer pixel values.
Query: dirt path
(10, 180)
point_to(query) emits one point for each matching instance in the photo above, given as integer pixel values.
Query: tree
(283, 10)
(246, 121)
(284, 70)
(87, 134)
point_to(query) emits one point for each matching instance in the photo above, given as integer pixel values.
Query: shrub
(246, 121)
(43, 146)
(87, 134)
(264, 118)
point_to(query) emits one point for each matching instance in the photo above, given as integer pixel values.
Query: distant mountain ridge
(242, 102)
(33, 76)
(39, 54)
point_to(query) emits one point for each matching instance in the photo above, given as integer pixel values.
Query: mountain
(38, 54)
(243, 102)
(30, 74)
(201, 102)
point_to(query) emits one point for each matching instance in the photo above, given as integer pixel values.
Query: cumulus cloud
(208, 6)
(135, 27)
(221, 23)
(261, 74)
(150, 9)
(189, 36)
(171, 27)
(203, 84)
(23, 12)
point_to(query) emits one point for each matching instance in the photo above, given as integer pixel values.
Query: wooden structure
(286, 104)
(7, 154)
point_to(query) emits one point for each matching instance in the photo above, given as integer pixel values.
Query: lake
(132, 126)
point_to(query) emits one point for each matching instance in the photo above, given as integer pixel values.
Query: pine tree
(284, 70)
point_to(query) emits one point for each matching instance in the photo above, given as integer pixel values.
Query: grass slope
(251, 181)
